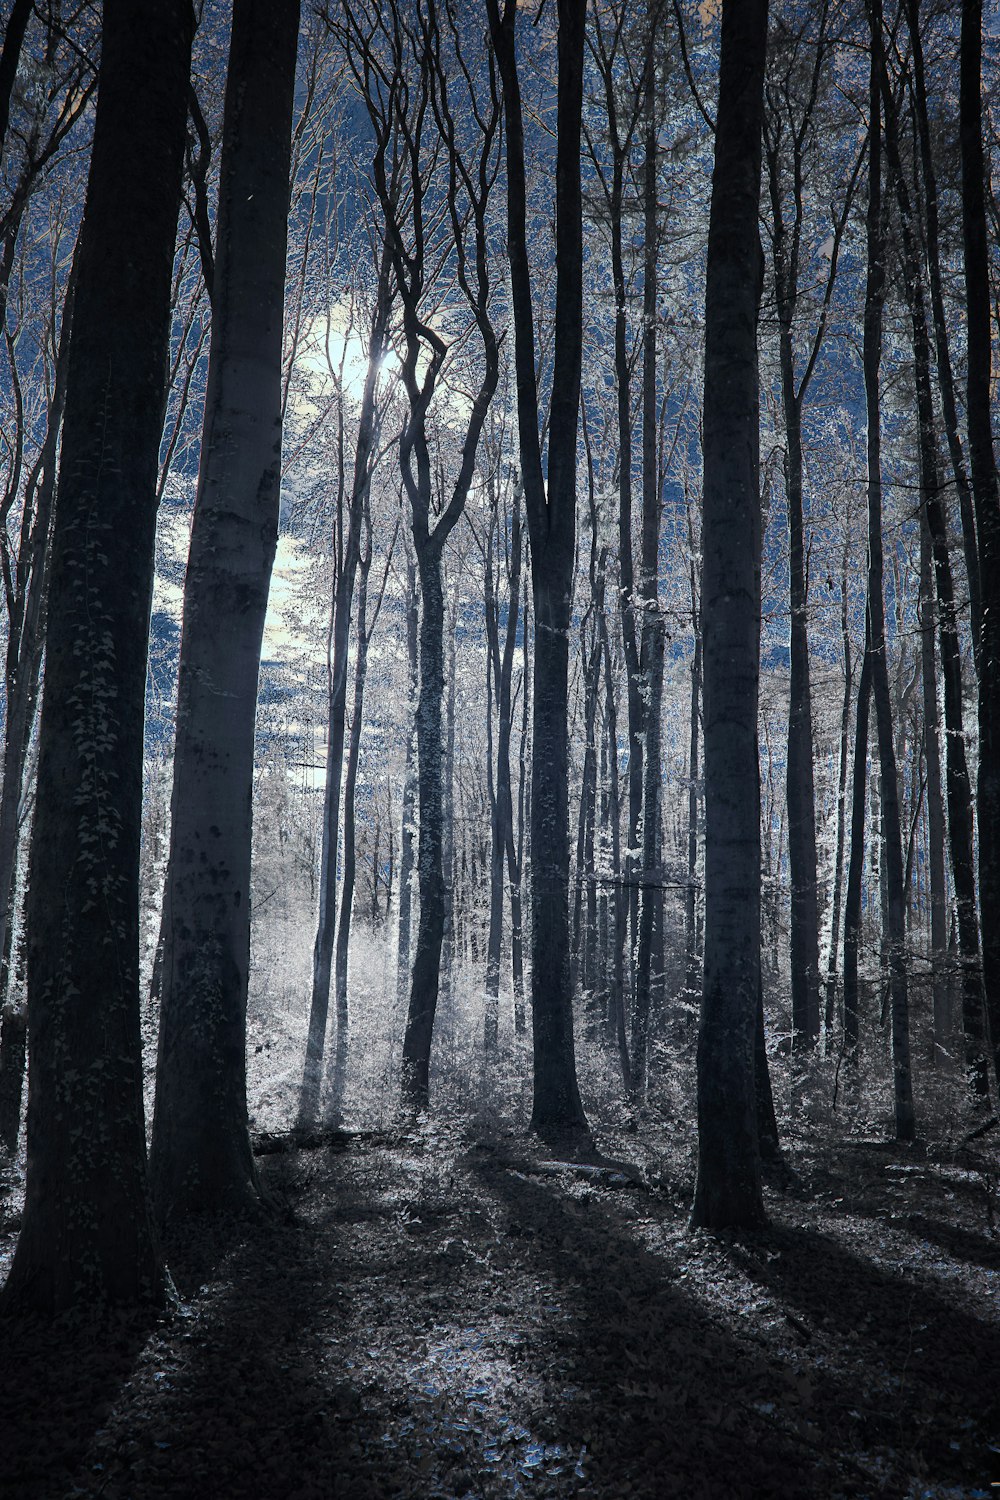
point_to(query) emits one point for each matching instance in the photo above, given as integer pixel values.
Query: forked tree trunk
(728, 1188)
(201, 1158)
(556, 1106)
(87, 1234)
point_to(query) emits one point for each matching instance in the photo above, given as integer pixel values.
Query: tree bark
(895, 900)
(728, 1188)
(87, 1234)
(201, 1158)
(987, 501)
(556, 1106)
(935, 801)
(407, 837)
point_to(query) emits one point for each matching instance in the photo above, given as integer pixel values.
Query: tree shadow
(826, 1363)
(58, 1382)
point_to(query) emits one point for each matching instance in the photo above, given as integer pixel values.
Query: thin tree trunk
(407, 839)
(838, 858)
(935, 800)
(895, 905)
(652, 894)
(946, 378)
(856, 861)
(430, 867)
(323, 947)
(337, 1066)
(693, 954)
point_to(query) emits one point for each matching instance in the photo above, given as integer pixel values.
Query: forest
(500, 795)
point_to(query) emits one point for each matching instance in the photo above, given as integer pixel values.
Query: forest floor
(457, 1312)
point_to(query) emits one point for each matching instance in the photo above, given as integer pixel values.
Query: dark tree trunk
(17, 25)
(728, 1189)
(856, 860)
(651, 894)
(430, 868)
(987, 501)
(618, 903)
(957, 781)
(551, 530)
(87, 1234)
(692, 946)
(946, 379)
(201, 1158)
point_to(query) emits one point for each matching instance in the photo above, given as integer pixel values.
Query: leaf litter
(449, 1316)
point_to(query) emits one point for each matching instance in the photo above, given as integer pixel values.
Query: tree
(433, 175)
(894, 900)
(87, 1234)
(987, 500)
(728, 1189)
(348, 548)
(201, 1157)
(790, 131)
(551, 514)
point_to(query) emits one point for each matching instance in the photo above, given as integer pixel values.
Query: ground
(454, 1311)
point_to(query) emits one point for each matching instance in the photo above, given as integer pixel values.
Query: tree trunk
(430, 868)
(728, 1189)
(946, 379)
(987, 501)
(895, 904)
(337, 708)
(87, 1234)
(651, 895)
(838, 858)
(935, 801)
(856, 861)
(502, 809)
(551, 530)
(407, 839)
(337, 1067)
(201, 1158)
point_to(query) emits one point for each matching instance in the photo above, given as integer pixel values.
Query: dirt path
(441, 1317)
